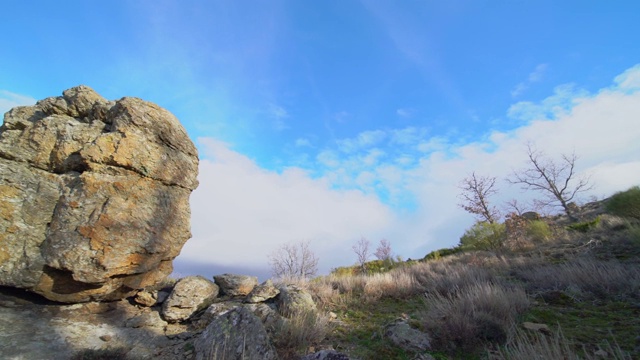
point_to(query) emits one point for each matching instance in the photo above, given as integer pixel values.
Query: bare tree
(361, 248)
(476, 191)
(555, 179)
(383, 252)
(293, 260)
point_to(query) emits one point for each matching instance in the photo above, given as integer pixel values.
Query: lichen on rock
(94, 195)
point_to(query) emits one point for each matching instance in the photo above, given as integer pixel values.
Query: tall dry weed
(536, 346)
(584, 278)
(478, 314)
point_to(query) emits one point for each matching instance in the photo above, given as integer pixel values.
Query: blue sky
(325, 121)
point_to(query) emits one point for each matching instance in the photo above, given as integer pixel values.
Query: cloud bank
(241, 212)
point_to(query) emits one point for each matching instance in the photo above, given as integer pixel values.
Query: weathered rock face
(189, 295)
(238, 334)
(236, 285)
(262, 293)
(94, 196)
(293, 299)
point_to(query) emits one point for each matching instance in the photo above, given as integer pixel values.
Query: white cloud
(535, 76)
(404, 112)
(9, 100)
(629, 80)
(278, 114)
(302, 142)
(538, 73)
(240, 213)
(364, 140)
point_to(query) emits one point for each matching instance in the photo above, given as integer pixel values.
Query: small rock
(189, 295)
(262, 292)
(148, 320)
(406, 337)
(293, 299)
(146, 298)
(106, 337)
(235, 285)
(326, 355)
(543, 328)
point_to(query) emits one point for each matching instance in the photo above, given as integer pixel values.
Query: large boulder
(94, 196)
(238, 334)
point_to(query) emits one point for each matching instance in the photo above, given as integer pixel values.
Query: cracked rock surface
(94, 196)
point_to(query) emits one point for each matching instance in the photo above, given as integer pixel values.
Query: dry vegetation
(582, 282)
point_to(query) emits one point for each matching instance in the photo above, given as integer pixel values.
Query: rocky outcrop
(94, 196)
(262, 293)
(236, 285)
(238, 334)
(190, 294)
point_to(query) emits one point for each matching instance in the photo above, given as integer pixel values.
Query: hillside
(568, 291)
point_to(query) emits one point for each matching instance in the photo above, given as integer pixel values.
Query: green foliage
(440, 253)
(483, 236)
(585, 226)
(373, 267)
(538, 231)
(625, 203)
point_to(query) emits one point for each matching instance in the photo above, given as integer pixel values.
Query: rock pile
(94, 196)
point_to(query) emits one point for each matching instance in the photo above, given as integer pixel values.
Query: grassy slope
(598, 300)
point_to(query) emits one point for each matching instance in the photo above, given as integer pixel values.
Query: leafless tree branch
(383, 252)
(293, 260)
(476, 191)
(361, 248)
(556, 180)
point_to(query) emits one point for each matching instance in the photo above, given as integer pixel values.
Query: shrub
(585, 226)
(538, 231)
(440, 253)
(300, 331)
(483, 236)
(625, 203)
(480, 314)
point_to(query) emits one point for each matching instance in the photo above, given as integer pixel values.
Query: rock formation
(236, 285)
(94, 196)
(189, 295)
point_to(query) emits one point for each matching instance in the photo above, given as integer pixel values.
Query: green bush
(440, 253)
(625, 203)
(585, 226)
(538, 231)
(483, 236)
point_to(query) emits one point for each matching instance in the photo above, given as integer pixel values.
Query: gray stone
(189, 295)
(146, 298)
(238, 334)
(294, 299)
(406, 337)
(262, 292)
(326, 355)
(235, 285)
(94, 196)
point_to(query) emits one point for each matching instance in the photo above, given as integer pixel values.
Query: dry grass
(527, 346)
(584, 278)
(477, 314)
(300, 331)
